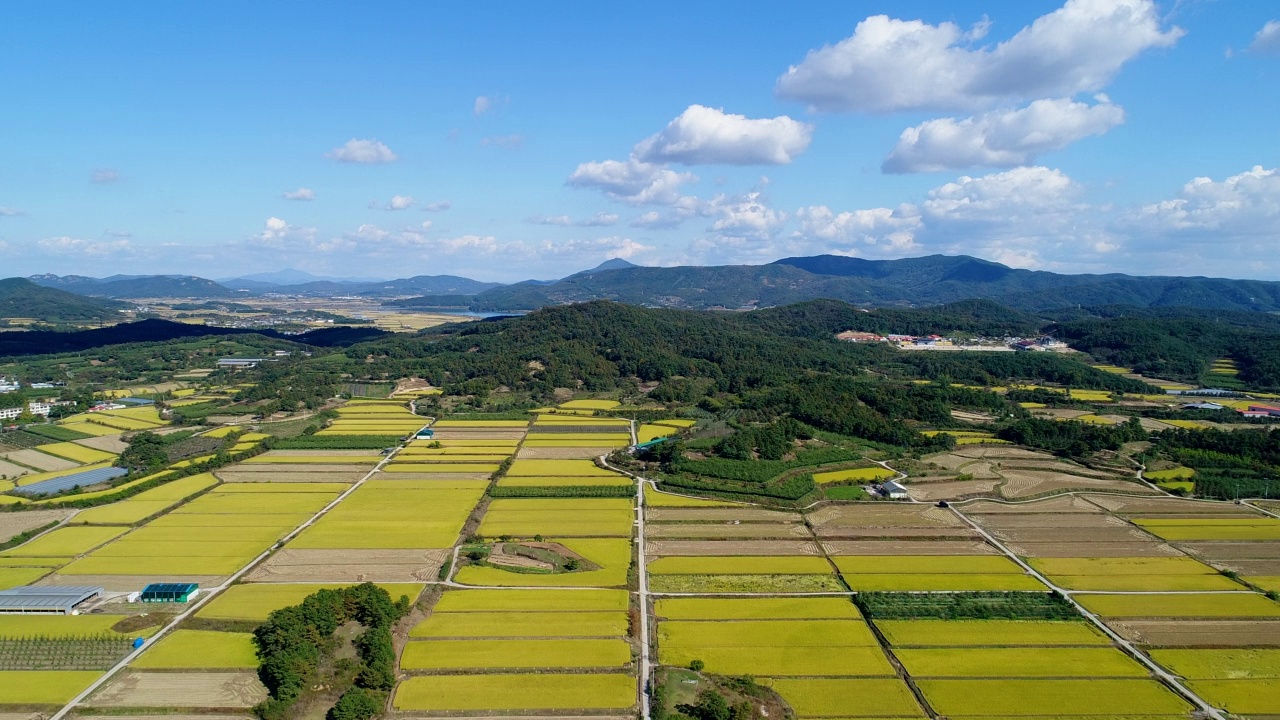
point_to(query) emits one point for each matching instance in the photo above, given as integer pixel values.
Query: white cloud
(655, 220)
(1268, 38)
(601, 219)
(76, 246)
(708, 136)
(104, 176)
(303, 194)
(859, 227)
(489, 103)
(1244, 205)
(400, 202)
(10, 212)
(278, 233)
(747, 217)
(1002, 196)
(891, 65)
(506, 142)
(632, 181)
(1003, 138)
(363, 152)
(438, 206)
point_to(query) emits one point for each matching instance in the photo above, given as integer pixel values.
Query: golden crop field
(783, 660)
(522, 624)
(870, 474)
(590, 404)
(516, 692)
(740, 565)
(612, 555)
(1208, 529)
(56, 626)
(333, 488)
(43, 687)
(940, 582)
(1216, 664)
(484, 468)
(1121, 566)
(1027, 662)
(926, 564)
(11, 577)
(532, 481)
(677, 422)
(183, 649)
(697, 634)
(848, 697)
(1220, 605)
(394, 514)
(1178, 473)
(960, 633)
(460, 601)
(126, 512)
(459, 424)
(256, 601)
(1098, 696)
(764, 608)
(1147, 583)
(66, 542)
(663, 499)
(77, 453)
(567, 468)
(647, 433)
(524, 653)
(1241, 697)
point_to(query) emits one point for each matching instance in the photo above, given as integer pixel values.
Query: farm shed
(894, 490)
(169, 592)
(46, 600)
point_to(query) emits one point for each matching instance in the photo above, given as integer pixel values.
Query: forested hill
(908, 282)
(15, 344)
(21, 298)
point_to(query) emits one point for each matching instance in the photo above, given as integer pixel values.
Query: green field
(522, 624)
(43, 687)
(56, 626)
(185, 649)
(515, 692)
(461, 654)
(66, 542)
(756, 609)
(960, 633)
(740, 565)
(531, 601)
(1025, 662)
(848, 698)
(1221, 664)
(1096, 697)
(1240, 697)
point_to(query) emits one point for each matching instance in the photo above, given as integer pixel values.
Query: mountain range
(921, 281)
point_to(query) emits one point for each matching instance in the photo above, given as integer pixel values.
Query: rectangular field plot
(653, 498)
(460, 601)
(613, 557)
(1221, 664)
(16, 576)
(43, 687)
(567, 468)
(842, 661)
(521, 624)
(1027, 662)
(220, 689)
(738, 565)
(512, 654)
(1240, 697)
(1212, 529)
(1150, 583)
(76, 453)
(756, 609)
(441, 467)
(256, 601)
(996, 633)
(1221, 605)
(848, 698)
(1121, 566)
(934, 572)
(438, 693)
(774, 584)
(184, 649)
(535, 481)
(1014, 697)
(66, 542)
(395, 515)
(764, 633)
(56, 626)
(560, 518)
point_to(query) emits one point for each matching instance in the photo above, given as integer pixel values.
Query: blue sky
(535, 140)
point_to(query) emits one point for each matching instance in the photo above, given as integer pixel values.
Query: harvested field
(1066, 504)
(1227, 551)
(740, 565)
(311, 469)
(39, 460)
(879, 515)
(743, 514)
(989, 633)
(854, 533)
(107, 443)
(1096, 697)
(951, 490)
(515, 692)
(11, 471)
(1093, 549)
(1099, 534)
(181, 690)
(130, 583)
(727, 530)
(1200, 633)
(1025, 483)
(1144, 506)
(756, 609)
(954, 582)
(1043, 521)
(1027, 662)
(354, 566)
(908, 547)
(770, 584)
(528, 452)
(654, 499)
(731, 547)
(927, 564)
(16, 523)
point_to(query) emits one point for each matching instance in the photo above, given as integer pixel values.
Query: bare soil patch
(882, 515)
(181, 690)
(1124, 534)
(720, 515)
(1047, 520)
(40, 461)
(727, 530)
(952, 490)
(106, 443)
(350, 566)
(1070, 504)
(1093, 549)
(1024, 483)
(958, 533)
(1146, 506)
(560, 453)
(1226, 550)
(908, 547)
(1200, 633)
(731, 547)
(14, 523)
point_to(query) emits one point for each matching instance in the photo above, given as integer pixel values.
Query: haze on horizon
(501, 144)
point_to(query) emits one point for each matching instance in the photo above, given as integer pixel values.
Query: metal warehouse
(46, 600)
(169, 592)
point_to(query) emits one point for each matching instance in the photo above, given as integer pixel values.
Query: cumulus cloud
(438, 206)
(363, 152)
(303, 194)
(654, 220)
(601, 219)
(78, 246)
(1267, 40)
(709, 136)
(1003, 138)
(400, 202)
(1002, 196)
(10, 212)
(632, 181)
(890, 65)
(278, 233)
(506, 142)
(1244, 205)
(859, 227)
(747, 217)
(104, 176)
